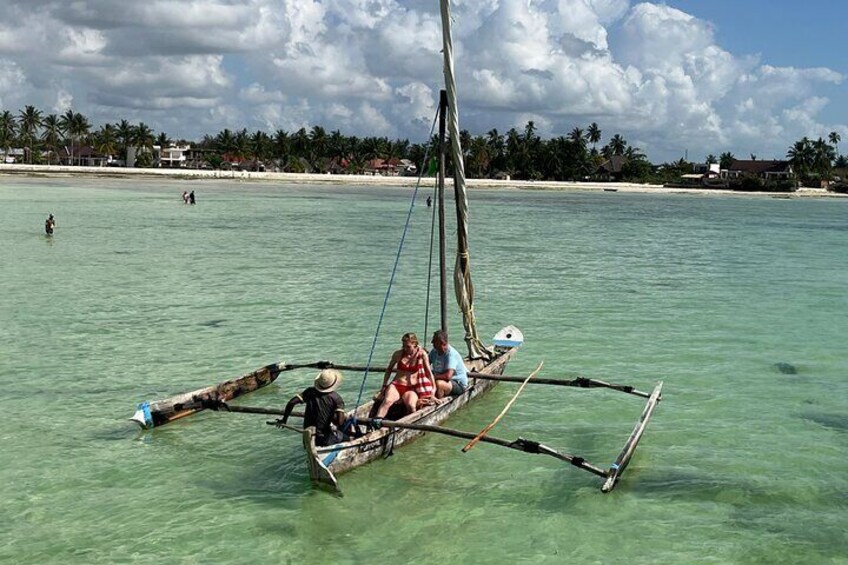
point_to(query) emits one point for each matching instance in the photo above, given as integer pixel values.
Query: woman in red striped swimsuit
(413, 378)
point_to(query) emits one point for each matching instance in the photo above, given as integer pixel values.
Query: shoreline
(61, 171)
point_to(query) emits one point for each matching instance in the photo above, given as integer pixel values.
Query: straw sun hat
(328, 380)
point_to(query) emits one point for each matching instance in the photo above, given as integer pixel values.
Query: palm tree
(635, 154)
(8, 126)
(823, 158)
(124, 131)
(478, 157)
(106, 140)
(300, 143)
(143, 138)
(225, 141)
(282, 144)
(75, 126)
(593, 134)
(616, 146)
(497, 149)
(80, 127)
(261, 146)
(51, 134)
(163, 141)
(338, 147)
(801, 155)
(725, 160)
(242, 144)
(65, 122)
(318, 144)
(577, 136)
(711, 159)
(835, 138)
(529, 149)
(29, 122)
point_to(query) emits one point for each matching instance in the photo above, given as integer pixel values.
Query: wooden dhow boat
(326, 462)
(372, 438)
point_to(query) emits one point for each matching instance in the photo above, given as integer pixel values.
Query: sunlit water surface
(738, 304)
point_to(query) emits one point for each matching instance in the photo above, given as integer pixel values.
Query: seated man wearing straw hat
(324, 407)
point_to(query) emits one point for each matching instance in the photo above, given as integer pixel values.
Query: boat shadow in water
(276, 481)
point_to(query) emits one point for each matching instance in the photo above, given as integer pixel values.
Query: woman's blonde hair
(411, 337)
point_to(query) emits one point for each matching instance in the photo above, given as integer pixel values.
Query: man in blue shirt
(448, 368)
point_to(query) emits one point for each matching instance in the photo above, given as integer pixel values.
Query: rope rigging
(394, 272)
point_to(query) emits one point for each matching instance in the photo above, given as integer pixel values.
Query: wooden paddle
(486, 430)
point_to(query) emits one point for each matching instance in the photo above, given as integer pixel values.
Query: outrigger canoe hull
(160, 412)
(326, 463)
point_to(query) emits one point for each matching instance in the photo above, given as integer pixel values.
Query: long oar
(509, 404)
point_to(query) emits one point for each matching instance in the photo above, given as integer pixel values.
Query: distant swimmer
(191, 197)
(185, 197)
(49, 224)
(429, 201)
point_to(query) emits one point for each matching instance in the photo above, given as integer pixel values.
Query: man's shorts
(456, 388)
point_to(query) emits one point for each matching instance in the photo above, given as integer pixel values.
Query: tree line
(520, 154)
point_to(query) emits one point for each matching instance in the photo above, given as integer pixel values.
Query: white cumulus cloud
(647, 70)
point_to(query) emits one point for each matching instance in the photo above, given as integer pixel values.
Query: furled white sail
(463, 286)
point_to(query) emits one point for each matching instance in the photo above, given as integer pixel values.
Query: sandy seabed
(376, 180)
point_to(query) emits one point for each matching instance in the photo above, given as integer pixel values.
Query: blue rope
(392, 278)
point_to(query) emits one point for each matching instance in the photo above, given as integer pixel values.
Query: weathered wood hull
(160, 412)
(326, 463)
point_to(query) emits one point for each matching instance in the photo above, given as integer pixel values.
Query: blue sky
(675, 78)
(784, 32)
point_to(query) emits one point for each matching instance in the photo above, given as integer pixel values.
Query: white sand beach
(370, 180)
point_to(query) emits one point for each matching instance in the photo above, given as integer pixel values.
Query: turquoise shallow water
(738, 304)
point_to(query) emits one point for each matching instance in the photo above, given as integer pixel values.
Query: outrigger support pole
(520, 444)
(612, 476)
(579, 382)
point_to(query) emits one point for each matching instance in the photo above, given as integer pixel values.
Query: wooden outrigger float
(151, 414)
(486, 365)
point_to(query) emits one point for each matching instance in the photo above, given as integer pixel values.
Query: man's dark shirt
(321, 408)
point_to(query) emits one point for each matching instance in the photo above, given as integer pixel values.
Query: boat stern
(319, 473)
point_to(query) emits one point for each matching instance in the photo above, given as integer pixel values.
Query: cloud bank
(648, 71)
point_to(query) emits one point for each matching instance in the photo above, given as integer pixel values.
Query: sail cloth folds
(463, 287)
